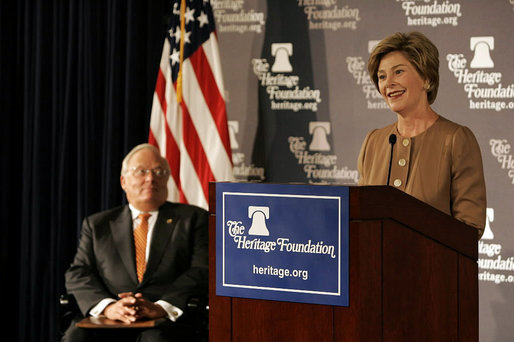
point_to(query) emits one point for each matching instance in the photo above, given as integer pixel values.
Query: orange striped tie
(140, 234)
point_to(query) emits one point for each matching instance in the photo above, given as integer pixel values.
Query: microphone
(392, 141)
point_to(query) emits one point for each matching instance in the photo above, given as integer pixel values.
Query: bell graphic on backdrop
(319, 131)
(282, 51)
(258, 216)
(372, 44)
(233, 129)
(482, 47)
(488, 232)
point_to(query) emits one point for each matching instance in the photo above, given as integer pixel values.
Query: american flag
(189, 122)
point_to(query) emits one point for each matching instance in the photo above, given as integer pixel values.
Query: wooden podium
(413, 277)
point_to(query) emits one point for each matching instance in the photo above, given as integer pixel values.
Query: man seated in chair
(140, 261)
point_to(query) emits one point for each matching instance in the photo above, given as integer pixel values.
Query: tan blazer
(442, 167)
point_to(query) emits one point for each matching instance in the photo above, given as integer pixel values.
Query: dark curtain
(77, 84)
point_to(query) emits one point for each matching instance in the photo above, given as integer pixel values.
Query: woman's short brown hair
(418, 49)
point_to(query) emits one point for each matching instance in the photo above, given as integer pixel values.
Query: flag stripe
(193, 190)
(211, 93)
(160, 90)
(173, 149)
(210, 48)
(196, 152)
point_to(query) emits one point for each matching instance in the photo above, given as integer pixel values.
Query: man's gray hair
(124, 164)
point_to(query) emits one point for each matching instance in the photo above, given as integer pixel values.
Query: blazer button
(405, 142)
(397, 182)
(402, 162)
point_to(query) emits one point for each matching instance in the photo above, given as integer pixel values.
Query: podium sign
(282, 242)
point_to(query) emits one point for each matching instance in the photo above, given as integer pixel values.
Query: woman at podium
(422, 153)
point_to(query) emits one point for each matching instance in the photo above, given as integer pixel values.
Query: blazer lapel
(164, 227)
(122, 232)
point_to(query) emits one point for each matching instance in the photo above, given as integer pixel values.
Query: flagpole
(182, 34)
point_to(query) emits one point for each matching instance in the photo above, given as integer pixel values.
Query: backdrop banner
(300, 101)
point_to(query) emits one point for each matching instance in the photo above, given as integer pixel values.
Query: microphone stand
(392, 141)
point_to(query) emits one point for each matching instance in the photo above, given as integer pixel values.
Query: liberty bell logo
(282, 51)
(233, 129)
(319, 131)
(488, 232)
(372, 44)
(258, 216)
(482, 47)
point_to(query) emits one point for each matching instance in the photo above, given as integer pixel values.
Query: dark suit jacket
(105, 261)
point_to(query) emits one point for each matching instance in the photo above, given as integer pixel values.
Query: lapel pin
(168, 221)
